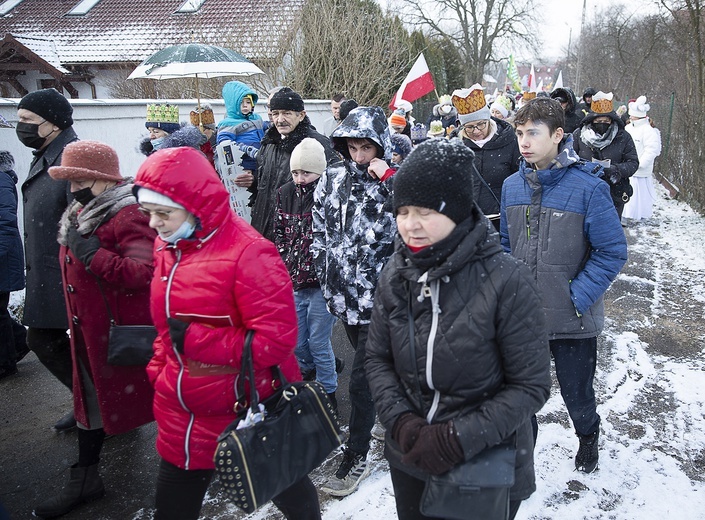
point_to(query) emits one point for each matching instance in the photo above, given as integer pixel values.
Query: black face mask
(28, 134)
(84, 196)
(601, 128)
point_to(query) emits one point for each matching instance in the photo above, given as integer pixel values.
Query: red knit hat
(85, 160)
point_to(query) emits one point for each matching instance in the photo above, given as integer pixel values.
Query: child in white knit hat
(293, 234)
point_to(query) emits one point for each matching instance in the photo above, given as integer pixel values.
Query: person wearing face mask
(353, 236)
(106, 266)
(215, 279)
(601, 138)
(162, 121)
(45, 125)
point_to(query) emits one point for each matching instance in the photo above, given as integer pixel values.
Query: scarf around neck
(98, 211)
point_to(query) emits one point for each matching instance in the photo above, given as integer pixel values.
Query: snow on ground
(651, 399)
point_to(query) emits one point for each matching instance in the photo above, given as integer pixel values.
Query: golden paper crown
(528, 96)
(163, 113)
(469, 100)
(207, 117)
(602, 103)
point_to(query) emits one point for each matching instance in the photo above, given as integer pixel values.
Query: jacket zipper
(189, 428)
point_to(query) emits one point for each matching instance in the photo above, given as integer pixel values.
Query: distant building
(82, 50)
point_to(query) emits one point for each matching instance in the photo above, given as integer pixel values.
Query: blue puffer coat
(562, 223)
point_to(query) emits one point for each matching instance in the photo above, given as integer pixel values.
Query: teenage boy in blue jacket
(558, 217)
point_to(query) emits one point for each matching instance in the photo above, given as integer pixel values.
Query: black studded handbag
(274, 444)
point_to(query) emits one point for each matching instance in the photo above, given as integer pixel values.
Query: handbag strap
(247, 370)
(105, 300)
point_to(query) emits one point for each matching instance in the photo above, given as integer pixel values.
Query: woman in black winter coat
(477, 368)
(496, 158)
(602, 138)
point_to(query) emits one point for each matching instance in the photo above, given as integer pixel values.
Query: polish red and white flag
(417, 83)
(532, 80)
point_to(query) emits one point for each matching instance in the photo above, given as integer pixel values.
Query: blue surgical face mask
(185, 231)
(157, 143)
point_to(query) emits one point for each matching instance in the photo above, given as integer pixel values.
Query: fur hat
(437, 175)
(639, 107)
(401, 144)
(207, 117)
(49, 104)
(145, 195)
(163, 116)
(287, 99)
(471, 104)
(309, 156)
(7, 162)
(602, 103)
(85, 160)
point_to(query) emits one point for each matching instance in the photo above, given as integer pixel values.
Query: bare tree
(479, 28)
(348, 46)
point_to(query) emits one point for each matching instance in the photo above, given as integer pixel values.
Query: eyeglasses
(160, 214)
(478, 127)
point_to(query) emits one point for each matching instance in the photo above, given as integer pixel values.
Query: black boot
(588, 455)
(66, 423)
(83, 486)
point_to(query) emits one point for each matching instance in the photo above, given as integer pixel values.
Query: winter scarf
(590, 138)
(288, 144)
(101, 209)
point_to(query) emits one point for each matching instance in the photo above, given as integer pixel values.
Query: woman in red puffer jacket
(215, 278)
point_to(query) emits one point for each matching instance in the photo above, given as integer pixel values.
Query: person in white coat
(647, 140)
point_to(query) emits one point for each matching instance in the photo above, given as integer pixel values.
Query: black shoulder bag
(262, 453)
(128, 345)
(478, 488)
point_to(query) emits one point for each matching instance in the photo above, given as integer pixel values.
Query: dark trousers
(180, 495)
(53, 348)
(362, 413)
(10, 335)
(575, 361)
(407, 494)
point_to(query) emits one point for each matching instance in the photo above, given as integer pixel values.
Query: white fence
(120, 123)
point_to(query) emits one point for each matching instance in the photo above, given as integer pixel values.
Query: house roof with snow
(70, 34)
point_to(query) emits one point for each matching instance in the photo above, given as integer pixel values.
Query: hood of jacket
(364, 123)
(567, 93)
(233, 93)
(186, 177)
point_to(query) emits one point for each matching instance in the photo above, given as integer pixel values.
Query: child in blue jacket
(241, 125)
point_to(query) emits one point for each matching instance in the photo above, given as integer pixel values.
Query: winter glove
(437, 449)
(83, 248)
(177, 333)
(250, 151)
(612, 175)
(406, 430)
